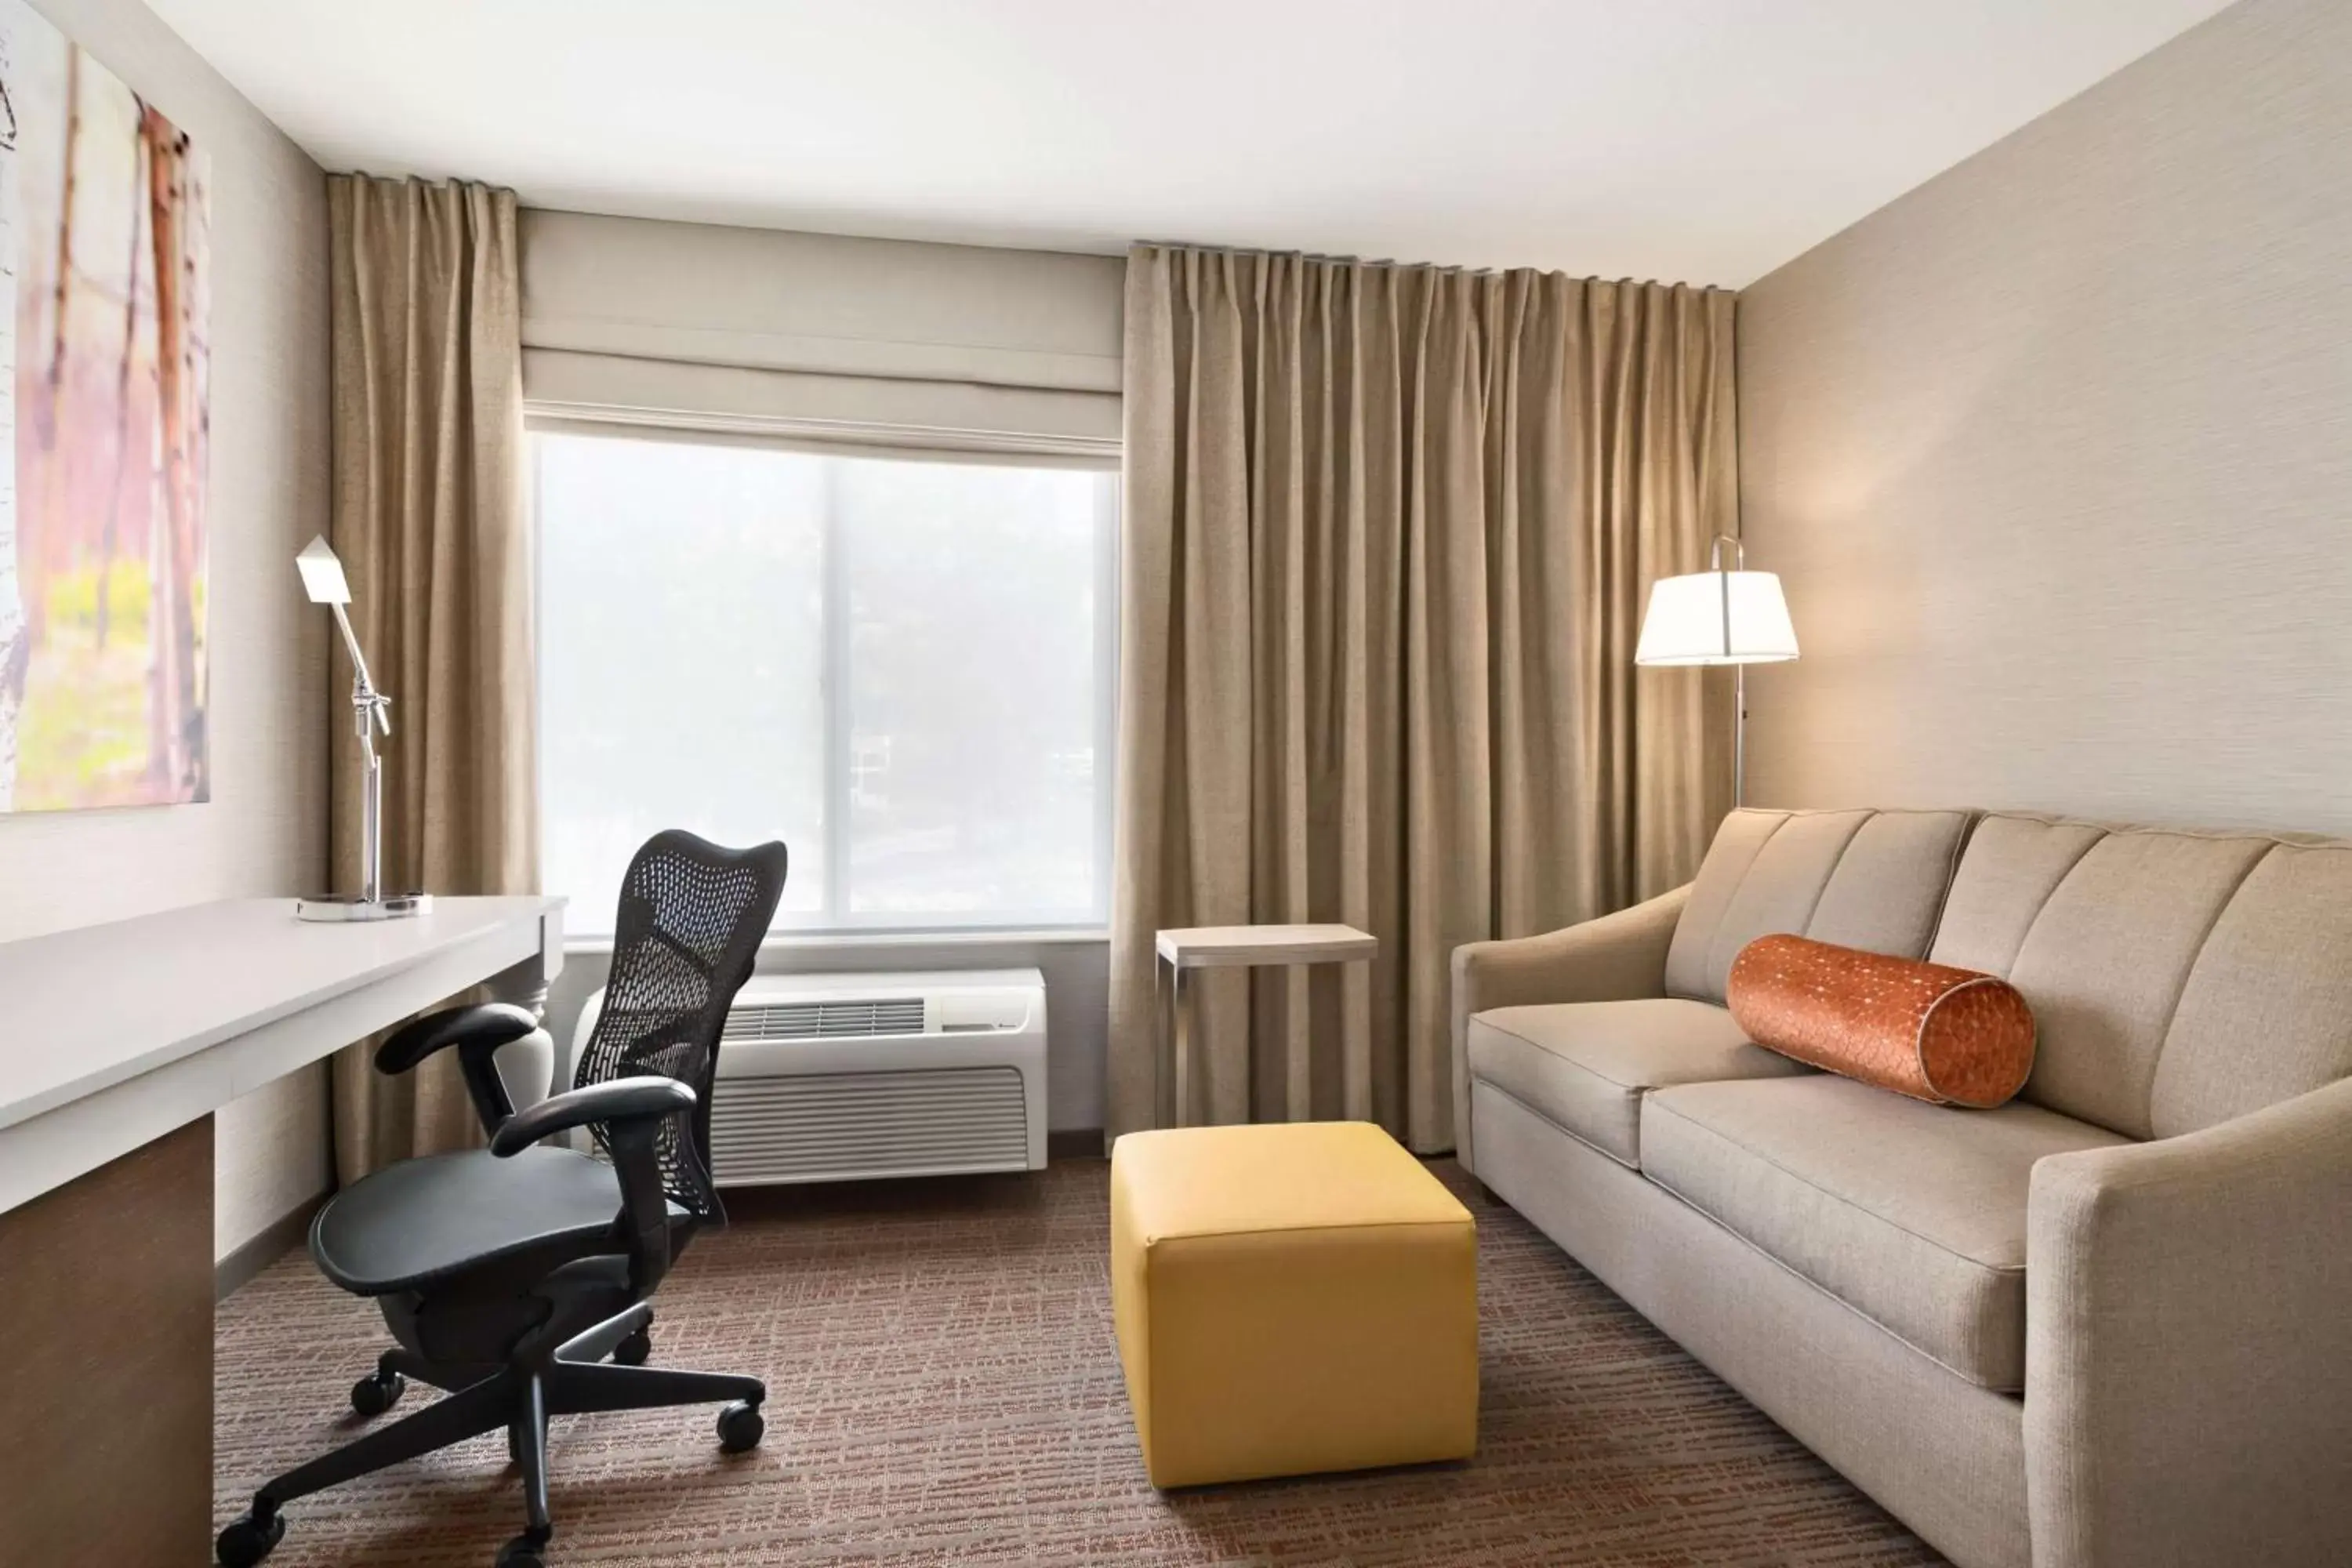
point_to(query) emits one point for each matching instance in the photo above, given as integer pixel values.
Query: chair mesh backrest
(691, 920)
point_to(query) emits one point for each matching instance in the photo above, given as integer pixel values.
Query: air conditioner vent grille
(818, 1127)
(824, 1020)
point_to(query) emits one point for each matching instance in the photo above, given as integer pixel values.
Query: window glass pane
(681, 657)
(973, 695)
(900, 667)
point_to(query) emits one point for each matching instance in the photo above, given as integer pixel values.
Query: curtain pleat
(430, 521)
(1389, 531)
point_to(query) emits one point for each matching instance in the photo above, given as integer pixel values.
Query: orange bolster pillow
(1949, 1036)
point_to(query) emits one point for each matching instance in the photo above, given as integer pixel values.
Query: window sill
(852, 940)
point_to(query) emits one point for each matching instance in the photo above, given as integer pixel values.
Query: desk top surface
(83, 1010)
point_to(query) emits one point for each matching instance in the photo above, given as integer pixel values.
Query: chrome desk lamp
(323, 581)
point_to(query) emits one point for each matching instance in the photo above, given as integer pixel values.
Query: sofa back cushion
(2179, 978)
(1871, 879)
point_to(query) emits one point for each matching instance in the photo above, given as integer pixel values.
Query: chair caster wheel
(635, 1351)
(248, 1539)
(377, 1392)
(740, 1427)
(523, 1551)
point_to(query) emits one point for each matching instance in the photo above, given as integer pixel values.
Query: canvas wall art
(103, 369)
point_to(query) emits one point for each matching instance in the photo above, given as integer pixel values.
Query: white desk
(117, 1043)
(112, 1036)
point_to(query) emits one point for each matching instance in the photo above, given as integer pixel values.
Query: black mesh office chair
(506, 1276)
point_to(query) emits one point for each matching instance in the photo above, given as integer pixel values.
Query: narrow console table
(117, 1043)
(1182, 949)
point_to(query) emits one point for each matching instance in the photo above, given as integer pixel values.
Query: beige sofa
(2107, 1324)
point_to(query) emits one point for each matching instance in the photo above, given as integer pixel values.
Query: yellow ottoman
(1291, 1298)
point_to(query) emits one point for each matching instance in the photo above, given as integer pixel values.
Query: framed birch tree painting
(104, 372)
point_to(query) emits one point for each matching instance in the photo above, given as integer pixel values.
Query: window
(900, 666)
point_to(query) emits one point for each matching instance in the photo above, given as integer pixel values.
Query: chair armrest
(477, 1031)
(1615, 958)
(621, 1100)
(631, 1111)
(2189, 1325)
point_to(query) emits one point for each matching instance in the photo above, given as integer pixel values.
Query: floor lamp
(1717, 616)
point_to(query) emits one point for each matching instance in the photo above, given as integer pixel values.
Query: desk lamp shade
(322, 573)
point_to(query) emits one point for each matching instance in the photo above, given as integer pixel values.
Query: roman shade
(820, 336)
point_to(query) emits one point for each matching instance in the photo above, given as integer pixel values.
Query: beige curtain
(1388, 534)
(430, 520)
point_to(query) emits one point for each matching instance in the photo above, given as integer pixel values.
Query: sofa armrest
(1616, 958)
(2188, 1344)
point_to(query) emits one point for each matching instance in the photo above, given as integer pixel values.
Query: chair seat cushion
(1912, 1215)
(421, 1220)
(1586, 1065)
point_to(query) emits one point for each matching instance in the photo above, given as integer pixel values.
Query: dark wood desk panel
(106, 1362)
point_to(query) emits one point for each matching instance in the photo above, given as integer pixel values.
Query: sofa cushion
(2179, 978)
(1869, 879)
(2266, 1014)
(1586, 1065)
(1912, 1215)
(2010, 868)
(2106, 959)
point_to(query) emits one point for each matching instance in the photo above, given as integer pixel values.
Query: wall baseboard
(1074, 1143)
(274, 1241)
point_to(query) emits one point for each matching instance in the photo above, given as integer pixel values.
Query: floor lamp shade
(1737, 617)
(1716, 617)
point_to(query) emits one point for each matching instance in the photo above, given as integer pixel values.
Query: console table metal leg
(1179, 1004)
(1162, 1102)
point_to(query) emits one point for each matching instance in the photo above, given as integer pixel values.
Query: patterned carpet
(943, 1389)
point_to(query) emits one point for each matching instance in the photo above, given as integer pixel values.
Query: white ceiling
(1708, 141)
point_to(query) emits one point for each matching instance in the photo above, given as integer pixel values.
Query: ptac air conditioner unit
(828, 1078)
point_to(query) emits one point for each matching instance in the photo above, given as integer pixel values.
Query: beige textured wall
(2055, 455)
(264, 829)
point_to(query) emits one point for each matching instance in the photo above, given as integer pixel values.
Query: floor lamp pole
(1738, 735)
